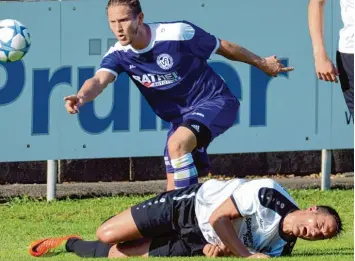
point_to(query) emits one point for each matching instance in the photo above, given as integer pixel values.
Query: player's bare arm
(89, 91)
(221, 221)
(270, 65)
(325, 69)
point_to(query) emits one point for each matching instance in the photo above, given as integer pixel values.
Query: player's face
(123, 23)
(314, 225)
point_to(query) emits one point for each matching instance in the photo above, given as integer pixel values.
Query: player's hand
(226, 251)
(72, 103)
(258, 256)
(272, 66)
(325, 69)
(210, 250)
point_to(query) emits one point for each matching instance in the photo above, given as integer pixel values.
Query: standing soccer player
(345, 54)
(168, 63)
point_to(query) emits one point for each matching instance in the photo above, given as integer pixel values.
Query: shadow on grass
(343, 251)
(52, 254)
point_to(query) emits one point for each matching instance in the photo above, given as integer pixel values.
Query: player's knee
(105, 234)
(176, 147)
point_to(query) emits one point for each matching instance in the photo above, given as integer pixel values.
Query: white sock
(185, 172)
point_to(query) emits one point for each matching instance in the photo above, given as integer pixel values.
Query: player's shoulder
(173, 31)
(264, 182)
(116, 48)
(272, 195)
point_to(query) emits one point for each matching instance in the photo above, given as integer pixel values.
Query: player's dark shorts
(207, 121)
(345, 64)
(169, 220)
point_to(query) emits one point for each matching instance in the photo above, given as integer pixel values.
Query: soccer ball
(14, 40)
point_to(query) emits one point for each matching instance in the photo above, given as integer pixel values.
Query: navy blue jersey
(172, 72)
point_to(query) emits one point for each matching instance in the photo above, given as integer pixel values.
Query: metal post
(59, 171)
(51, 179)
(326, 169)
(131, 172)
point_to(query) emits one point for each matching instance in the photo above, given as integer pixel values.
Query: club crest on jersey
(165, 61)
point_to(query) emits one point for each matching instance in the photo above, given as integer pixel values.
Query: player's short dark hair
(331, 211)
(134, 5)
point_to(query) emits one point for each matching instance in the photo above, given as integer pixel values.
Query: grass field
(23, 221)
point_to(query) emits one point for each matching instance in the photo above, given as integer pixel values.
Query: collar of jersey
(153, 30)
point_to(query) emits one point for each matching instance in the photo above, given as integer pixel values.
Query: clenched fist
(212, 251)
(325, 69)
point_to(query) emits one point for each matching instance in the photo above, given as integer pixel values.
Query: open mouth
(304, 231)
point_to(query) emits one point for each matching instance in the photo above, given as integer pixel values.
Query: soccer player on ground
(255, 218)
(168, 63)
(325, 69)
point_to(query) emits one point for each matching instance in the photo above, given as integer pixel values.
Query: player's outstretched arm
(325, 69)
(221, 221)
(95, 85)
(89, 91)
(270, 65)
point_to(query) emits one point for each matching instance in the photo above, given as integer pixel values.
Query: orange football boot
(42, 246)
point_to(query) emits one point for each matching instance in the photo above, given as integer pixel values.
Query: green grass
(24, 220)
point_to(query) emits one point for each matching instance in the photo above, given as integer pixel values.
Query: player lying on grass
(243, 218)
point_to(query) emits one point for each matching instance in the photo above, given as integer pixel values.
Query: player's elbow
(227, 50)
(212, 220)
(95, 84)
(215, 219)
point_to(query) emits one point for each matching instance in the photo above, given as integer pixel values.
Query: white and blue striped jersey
(262, 204)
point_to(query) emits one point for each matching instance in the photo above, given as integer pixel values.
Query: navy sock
(87, 248)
